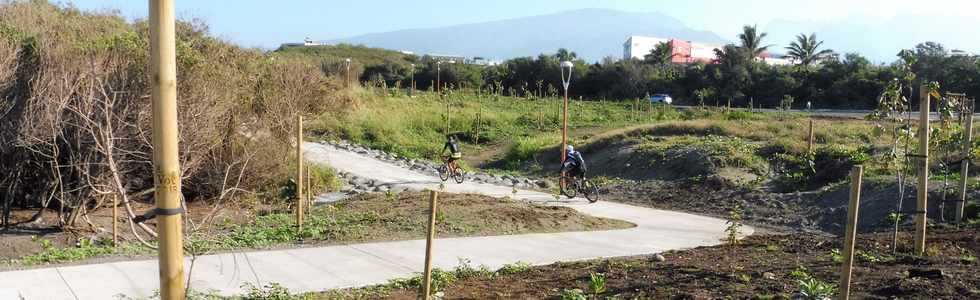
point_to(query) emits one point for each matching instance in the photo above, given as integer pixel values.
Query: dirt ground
(363, 218)
(761, 267)
(822, 210)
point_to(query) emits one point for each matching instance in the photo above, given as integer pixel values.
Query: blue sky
(269, 23)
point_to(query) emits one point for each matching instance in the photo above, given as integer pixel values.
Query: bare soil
(823, 210)
(759, 267)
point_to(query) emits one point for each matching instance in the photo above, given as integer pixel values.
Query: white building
(639, 46)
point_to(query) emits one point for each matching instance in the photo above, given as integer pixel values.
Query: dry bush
(76, 111)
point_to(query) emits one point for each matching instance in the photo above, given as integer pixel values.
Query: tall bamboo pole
(965, 164)
(850, 232)
(163, 67)
(299, 172)
(427, 285)
(923, 190)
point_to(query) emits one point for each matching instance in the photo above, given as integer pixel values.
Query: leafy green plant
(968, 258)
(51, 254)
(800, 273)
(812, 288)
(271, 291)
(597, 284)
(836, 256)
(734, 223)
(573, 294)
(515, 268)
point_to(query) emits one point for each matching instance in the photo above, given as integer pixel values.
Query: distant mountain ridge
(592, 33)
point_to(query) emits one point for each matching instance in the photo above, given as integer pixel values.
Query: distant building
(447, 58)
(306, 42)
(687, 52)
(684, 52)
(776, 59)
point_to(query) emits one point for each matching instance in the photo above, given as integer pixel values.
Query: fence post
(923, 190)
(427, 284)
(850, 232)
(479, 121)
(115, 220)
(965, 164)
(809, 145)
(299, 172)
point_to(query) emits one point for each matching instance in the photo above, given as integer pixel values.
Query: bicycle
(448, 170)
(570, 186)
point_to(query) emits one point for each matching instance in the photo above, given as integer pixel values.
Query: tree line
(818, 75)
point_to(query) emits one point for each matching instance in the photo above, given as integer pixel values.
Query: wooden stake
(923, 190)
(115, 221)
(299, 172)
(309, 188)
(850, 232)
(809, 144)
(479, 121)
(166, 163)
(965, 164)
(427, 285)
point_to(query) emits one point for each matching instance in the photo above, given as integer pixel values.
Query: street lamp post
(347, 64)
(411, 88)
(565, 80)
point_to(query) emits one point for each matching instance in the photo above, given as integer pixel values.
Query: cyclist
(574, 163)
(453, 148)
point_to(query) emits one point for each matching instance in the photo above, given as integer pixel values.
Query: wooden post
(309, 188)
(299, 172)
(115, 220)
(166, 163)
(965, 164)
(850, 232)
(809, 144)
(923, 190)
(479, 122)
(427, 284)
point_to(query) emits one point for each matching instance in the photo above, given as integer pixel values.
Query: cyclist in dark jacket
(574, 163)
(453, 148)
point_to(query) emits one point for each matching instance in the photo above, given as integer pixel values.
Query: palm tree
(565, 55)
(751, 41)
(805, 50)
(661, 54)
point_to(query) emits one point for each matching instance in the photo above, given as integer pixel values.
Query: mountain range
(591, 33)
(598, 33)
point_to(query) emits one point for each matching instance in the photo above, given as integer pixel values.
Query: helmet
(570, 148)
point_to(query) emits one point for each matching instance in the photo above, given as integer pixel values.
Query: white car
(661, 98)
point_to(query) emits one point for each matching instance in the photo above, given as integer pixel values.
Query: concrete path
(322, 268)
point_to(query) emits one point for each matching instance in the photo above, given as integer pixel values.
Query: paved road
(321, 268)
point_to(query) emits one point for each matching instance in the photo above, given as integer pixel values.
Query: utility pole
(923, 190)
(166, 164)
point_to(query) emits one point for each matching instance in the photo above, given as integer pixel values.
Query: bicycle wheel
(567, 187)
(590, 191)
(458, 175)
(443, 173)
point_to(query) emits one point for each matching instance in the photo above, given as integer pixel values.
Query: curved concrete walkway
(322, 268)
